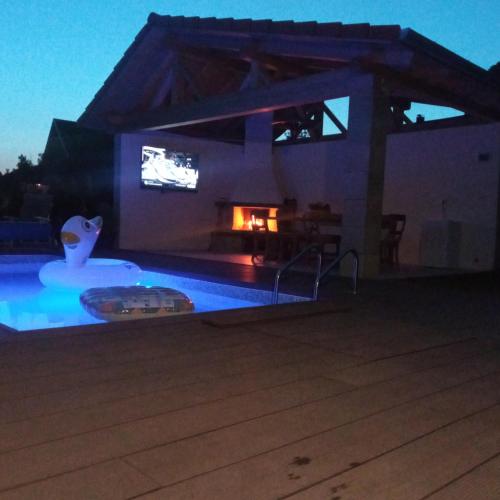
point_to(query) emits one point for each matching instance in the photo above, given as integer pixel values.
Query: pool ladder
(320, 274)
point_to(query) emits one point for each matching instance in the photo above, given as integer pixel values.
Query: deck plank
(179, 460)
(231, 346)
(217, 381)
(277, 417)
(24, 365)
(385, 368)
(372, 340)
(63, 455)
(266, 409)
(274, 396)
(107, 481)
(196, 364)
(417, 469)
(482, 481)
(286, 469)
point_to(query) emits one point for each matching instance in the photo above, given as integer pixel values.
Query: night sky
(55, 55)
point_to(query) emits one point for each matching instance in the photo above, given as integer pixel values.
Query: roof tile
(308, 28)
(329, 29)
(361, 30)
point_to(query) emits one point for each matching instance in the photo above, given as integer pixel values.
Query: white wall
(422, 169)
(152, 220)
(428, 170)
(312, 172)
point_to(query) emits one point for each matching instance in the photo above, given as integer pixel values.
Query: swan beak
(97, 221)
(69, 238)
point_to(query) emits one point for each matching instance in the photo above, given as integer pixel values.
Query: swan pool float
(78, 271)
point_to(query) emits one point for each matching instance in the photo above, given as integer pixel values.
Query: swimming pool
(25, 304)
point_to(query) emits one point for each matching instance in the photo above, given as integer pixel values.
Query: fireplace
(238, 216)
(251, 218)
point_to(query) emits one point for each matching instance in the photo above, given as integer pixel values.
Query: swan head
(78, 236)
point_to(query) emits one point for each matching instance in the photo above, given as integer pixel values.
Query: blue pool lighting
(25, 304)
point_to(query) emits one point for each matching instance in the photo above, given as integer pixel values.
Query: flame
(242, 219)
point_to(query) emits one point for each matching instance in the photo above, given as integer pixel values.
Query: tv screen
(165, 169)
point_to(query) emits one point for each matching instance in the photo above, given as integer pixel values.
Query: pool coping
(217, 319)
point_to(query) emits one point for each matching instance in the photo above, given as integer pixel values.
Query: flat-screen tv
(166, 169)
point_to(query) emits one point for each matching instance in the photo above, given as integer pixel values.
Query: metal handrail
(291, 262)
(336, 262)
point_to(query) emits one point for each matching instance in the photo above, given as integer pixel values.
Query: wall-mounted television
(165, 169)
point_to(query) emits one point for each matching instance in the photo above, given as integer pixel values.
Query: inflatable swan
(78, 236)
(78, 271)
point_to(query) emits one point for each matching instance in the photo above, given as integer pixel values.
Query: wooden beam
(256, 76)
(163, 84)
(277, 64)
(422, 92)
(306, 123)
(442, 87)
(325, 48)
(290, 93)
(189, 79)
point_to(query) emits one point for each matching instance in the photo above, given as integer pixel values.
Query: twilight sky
(55, 54)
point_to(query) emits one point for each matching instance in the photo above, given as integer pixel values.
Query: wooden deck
(309, 401)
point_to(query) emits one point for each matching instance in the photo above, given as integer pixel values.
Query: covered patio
(250, 97)
(391, 393)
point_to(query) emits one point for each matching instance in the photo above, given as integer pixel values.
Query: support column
(257, 181)
(363, 175)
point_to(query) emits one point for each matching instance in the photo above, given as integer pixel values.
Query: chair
(318, 224)
(393, 226)
(261, 236)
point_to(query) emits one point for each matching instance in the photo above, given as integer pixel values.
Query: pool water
(25, 304)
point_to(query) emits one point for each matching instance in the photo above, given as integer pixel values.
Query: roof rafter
(304, 90)
(217, 54)
(323, 48)
(438, 91)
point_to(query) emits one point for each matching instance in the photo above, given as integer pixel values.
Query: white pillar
(363, 174)
(257, 181)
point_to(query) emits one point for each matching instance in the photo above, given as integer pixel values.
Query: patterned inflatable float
(134, 302)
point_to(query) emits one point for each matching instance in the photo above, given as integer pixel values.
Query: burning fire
(244, 220)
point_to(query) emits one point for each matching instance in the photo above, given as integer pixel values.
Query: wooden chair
(261, 236)
(318, 226)
(393, 226)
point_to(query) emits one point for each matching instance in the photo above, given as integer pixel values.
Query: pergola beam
(256, 76)
(429, 83)
(290, 93)
(324, 48)
(426, 94)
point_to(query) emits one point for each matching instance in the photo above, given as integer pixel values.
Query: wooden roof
(184, 72)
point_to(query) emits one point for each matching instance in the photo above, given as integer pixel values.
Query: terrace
(391, 393)
(354, 396)
(255, 109)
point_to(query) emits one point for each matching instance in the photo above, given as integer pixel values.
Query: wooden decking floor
(329, 404)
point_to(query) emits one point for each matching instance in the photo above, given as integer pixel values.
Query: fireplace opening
(252, 218)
